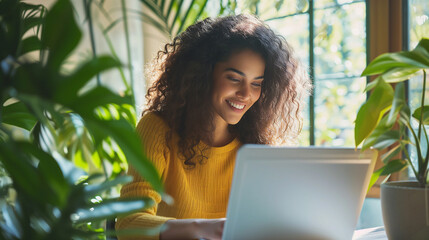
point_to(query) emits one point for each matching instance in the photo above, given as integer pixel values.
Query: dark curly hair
(182, 75)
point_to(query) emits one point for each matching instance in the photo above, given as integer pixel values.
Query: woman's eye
(233, 79)
(256, 84)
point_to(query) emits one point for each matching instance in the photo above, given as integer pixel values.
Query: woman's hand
(210, 229)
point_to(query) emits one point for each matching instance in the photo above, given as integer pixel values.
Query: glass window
(418, 19)
(338, 57)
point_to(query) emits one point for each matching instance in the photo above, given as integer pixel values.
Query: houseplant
(383, 122)
(63, 122)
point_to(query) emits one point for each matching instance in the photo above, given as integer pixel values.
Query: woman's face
(237, 85)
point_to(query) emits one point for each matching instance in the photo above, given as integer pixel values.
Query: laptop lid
(297, 193)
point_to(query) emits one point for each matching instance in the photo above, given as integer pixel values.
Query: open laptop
(297, 193)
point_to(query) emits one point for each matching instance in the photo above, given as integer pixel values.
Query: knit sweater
(199, 192)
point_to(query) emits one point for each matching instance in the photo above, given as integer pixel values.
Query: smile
(235, 105)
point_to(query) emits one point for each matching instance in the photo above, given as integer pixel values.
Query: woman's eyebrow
(241, 73)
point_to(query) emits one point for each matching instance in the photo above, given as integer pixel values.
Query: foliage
(64, 123)
(384, 119)
(168, 16)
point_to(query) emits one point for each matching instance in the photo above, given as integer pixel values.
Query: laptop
(297, 193)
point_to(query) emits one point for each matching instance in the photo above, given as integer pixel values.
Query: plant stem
(87, 6)
(127, 39)
(422, 104)
(100, 155)
(115, 55)
(420, 166)
(408, 158)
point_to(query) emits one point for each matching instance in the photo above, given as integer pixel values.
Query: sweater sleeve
(151, 129)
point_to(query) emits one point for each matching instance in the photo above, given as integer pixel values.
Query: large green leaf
(399, 102)
(49, 170)
(93, 189)
(30, 44)
(17, 114)
(21, 171)
(418, 114)
(370, 112)
(112, 208)
(386, 139)
(401, 61)
(381, 128)
(395, 75)
(39, 107)
(125, 136)
(62, 38)
(69, 87)
(86, 104)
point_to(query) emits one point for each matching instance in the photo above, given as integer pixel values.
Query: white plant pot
(405, 208)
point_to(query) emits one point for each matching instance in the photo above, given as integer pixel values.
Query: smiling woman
(220, 84)
(236, 87)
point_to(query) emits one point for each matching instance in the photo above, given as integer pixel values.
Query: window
(329, 36)
(417, 17)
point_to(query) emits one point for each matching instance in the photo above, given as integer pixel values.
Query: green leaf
(422, 48)
(112, 208)
(417, 114)
(68, 88)
(97, 97)
(93, 189)
(381, 128)
(401, 61)
(39, 107)
(17, 114)
(30, 44)
(49, 170)
(31, 22)
(399, 74)
(391, 153)
(58, 39)
(386, 139)
(21, 171)
(126, 137)
(391, 167)
(398, 103)
(370, 112)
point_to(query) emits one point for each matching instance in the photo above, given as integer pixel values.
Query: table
(376, 233)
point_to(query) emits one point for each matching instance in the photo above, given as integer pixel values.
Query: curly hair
(182, 88)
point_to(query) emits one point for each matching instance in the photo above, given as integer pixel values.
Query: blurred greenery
(63, 143)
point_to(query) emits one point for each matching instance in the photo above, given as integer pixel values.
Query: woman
(220, 84)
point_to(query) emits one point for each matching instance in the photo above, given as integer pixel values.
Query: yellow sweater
(200, 192)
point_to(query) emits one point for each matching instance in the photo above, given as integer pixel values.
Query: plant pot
(405, 208)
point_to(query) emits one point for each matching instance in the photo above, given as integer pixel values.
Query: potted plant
(386, 122)
(63, 123)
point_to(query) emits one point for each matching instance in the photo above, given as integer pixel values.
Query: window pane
(340, 41)
(340, 57)
(295, 30)
(332, 3)
(272, 9)
(418, 28)
(336, 104)
(419, 21)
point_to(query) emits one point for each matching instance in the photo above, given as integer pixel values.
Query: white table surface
(376, 233)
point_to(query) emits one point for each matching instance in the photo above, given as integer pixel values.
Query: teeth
(238, 106)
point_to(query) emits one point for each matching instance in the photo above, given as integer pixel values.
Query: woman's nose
(243, 91)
